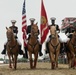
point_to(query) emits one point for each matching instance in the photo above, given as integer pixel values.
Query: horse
(54, 47)
(12, 48)
(33, 46)
(71, 51)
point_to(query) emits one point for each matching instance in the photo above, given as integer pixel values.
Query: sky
(12, 9)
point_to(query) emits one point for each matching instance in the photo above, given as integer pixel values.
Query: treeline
(19, 60)
(1, 59)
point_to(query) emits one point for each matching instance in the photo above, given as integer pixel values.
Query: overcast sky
(12, 9)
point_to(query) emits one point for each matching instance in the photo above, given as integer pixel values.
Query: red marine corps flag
(44, 23)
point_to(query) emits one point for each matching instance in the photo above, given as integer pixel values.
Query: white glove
(67, 34)
(15, 34)
(48, 39)
(71, 33)
(57, 31)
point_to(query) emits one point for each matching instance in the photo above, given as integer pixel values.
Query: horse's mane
(9, 30)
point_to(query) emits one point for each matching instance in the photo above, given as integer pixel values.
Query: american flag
(24, 25)
(68, 22)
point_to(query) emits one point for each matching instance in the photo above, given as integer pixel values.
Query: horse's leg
(56, 58)
(10, 66)
(69, 59)
(72, 59)
(75, 62)
(52, 60)
(15, 62)
(35, 59)
(31, 61)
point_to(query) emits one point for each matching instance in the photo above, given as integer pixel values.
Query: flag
(44, 23)
(69, 22)
(24, 25)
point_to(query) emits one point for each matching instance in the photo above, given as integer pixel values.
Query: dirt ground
(43, 68)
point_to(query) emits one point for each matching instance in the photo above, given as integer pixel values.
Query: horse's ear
(6, 28)
(36, 23)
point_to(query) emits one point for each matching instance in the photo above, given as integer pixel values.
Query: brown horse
(33, 46)
(54, 47)
(71, 52)
(12, 48)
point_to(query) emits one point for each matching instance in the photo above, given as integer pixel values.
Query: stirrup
(40, 54)
(3, 52)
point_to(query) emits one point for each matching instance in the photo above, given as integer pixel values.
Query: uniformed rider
(29, 32)
(15, 31)
(57, 30)
(69, 31)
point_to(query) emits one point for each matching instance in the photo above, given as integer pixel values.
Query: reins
(12, 47)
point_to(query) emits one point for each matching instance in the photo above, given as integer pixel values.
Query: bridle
(10, 36)
(34, 34)
(53, 36)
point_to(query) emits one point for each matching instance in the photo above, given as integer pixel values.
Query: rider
(57, 30)
(29, 32)
(53, 24)
(15, 31)
(69, 31)
(63, 44)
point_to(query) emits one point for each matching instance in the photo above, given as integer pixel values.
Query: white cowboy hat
(13, 21)
(52, 18)
(32, 19)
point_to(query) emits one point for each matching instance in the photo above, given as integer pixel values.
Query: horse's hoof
(52, 68)
(73, 67)
(10, 66)
(70, 67)
(34, 67)
(31, 67)
(56, 68)
(14, 68)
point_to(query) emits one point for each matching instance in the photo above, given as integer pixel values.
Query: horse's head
(9, 34)
(74, 35)
(34, 30)
(53, 32)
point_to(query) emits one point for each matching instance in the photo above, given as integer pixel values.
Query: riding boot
(47, 48)
(61, 48)
(4, 50)
(28, 37)
(25, 55)
(20, 51)
(40, 53)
